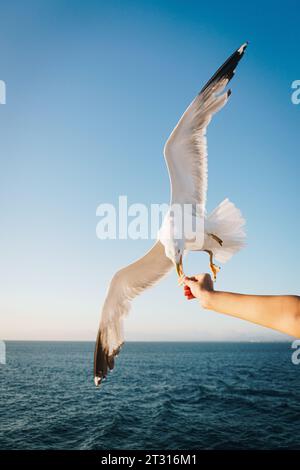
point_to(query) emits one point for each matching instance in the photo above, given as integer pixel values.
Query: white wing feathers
(186, 150)
(126, 284)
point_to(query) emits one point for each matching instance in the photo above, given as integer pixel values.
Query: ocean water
(160, 396)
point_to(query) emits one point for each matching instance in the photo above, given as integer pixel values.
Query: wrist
(206, 299)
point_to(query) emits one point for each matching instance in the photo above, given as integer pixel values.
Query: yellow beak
(179, 268)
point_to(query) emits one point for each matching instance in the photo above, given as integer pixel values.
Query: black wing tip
(103, 362)
(228, 68)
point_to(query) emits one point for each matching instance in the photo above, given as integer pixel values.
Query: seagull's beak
(179, 268)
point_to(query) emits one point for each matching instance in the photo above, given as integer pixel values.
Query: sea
(161, 395)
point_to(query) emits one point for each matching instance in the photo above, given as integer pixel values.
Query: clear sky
(93, 90)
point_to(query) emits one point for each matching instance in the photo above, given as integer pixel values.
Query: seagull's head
(174, 251)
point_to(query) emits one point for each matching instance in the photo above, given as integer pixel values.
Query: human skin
(279, 312)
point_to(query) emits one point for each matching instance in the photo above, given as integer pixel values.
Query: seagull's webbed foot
(213, 267)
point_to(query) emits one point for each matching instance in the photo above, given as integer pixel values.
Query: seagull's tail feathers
(224, 231)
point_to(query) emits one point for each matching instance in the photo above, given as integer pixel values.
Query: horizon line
(146, 341)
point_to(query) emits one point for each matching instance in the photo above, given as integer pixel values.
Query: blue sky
(93, 90)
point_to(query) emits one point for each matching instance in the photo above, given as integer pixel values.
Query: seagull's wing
(126, 284)
(185, 150)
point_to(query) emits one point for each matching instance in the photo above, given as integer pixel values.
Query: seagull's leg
(213, 267)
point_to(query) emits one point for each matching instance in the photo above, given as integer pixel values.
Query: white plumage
(186, 157)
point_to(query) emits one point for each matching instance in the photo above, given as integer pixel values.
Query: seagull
(223, 233)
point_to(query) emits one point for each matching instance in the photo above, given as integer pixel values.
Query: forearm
(281, 313)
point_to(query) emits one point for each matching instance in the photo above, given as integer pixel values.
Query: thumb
(190, 282)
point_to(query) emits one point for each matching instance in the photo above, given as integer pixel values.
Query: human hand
(199, 286)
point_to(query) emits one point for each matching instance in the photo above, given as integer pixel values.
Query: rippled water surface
(160, 396)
